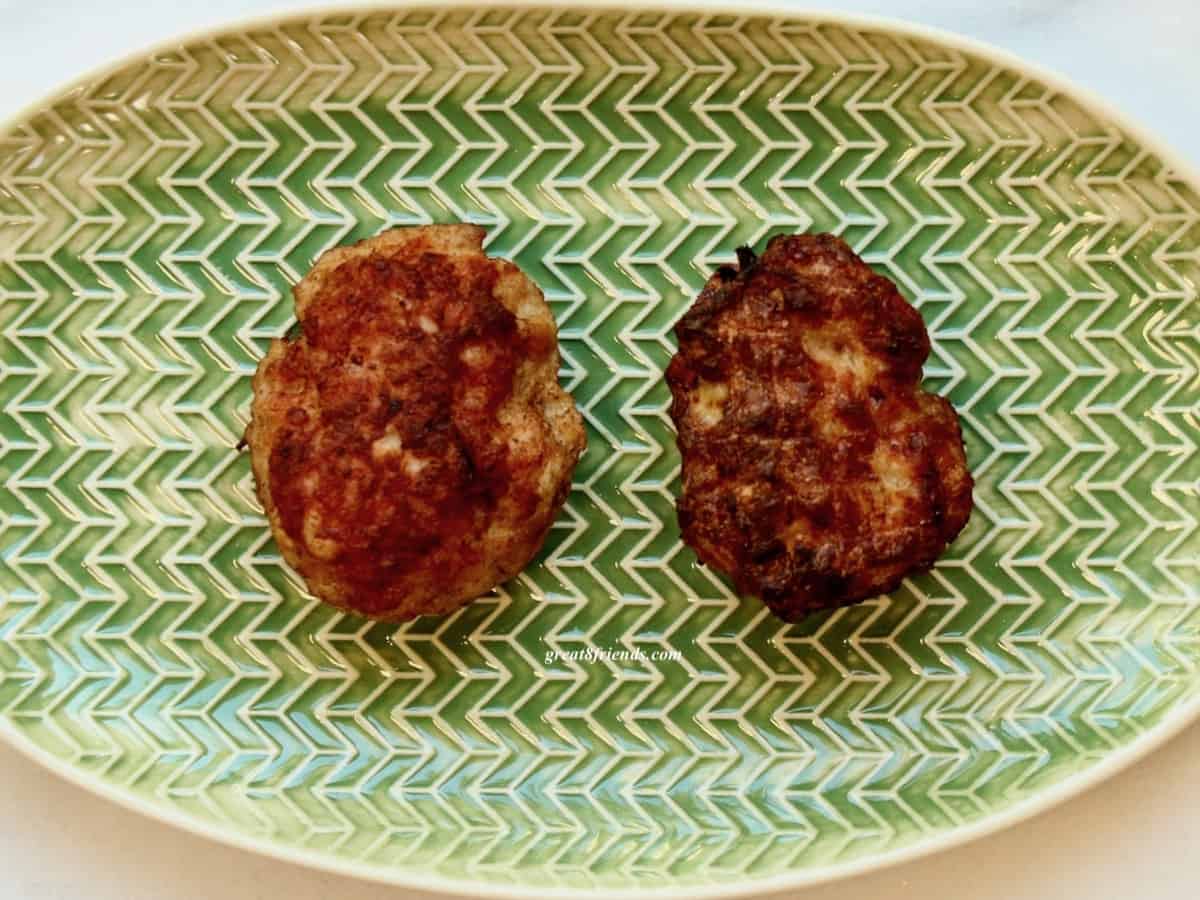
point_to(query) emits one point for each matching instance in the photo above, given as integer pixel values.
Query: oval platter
(615, 719)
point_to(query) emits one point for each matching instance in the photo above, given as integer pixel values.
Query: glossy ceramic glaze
(615, 717)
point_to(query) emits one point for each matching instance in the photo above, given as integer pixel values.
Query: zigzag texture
(151, 224)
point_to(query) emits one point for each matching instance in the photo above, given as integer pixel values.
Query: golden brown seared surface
(816, 472)
(411, 444)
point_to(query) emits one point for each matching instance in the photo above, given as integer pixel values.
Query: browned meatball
(816, 472)
(410, 443)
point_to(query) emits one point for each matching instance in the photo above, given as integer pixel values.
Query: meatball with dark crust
(816, 472)
(410, 442)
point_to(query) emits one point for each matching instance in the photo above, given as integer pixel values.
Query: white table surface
(1135, 836)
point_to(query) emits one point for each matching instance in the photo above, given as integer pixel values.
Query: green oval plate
(614, 718)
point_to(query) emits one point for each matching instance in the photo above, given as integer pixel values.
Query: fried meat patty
(410, 443)
(816, 472)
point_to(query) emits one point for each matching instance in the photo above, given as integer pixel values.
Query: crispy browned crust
(410, 442)
(816, 472)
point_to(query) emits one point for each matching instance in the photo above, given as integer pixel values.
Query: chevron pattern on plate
(151, 223)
